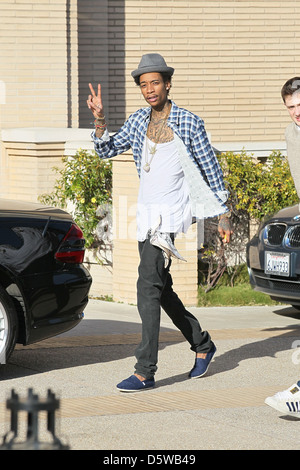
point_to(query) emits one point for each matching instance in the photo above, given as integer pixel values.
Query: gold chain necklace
(152, 150)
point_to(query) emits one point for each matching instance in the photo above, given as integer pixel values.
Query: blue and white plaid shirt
(186, 125)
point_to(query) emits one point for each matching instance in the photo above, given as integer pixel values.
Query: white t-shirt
(163, 192)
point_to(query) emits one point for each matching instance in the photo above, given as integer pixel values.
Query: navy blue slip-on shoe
(201, 365)
(133, 384)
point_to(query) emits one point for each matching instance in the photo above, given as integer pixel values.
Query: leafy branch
(84, 188)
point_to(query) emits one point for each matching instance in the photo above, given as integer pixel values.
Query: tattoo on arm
(99, 132)
(225, 223)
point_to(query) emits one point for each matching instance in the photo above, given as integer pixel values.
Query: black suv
(43, 285)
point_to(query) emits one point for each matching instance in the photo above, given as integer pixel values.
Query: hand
(225, 229)
(95, 102)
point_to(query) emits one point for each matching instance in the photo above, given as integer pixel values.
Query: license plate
(277, 263)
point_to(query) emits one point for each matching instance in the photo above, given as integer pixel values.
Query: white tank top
(163, 192)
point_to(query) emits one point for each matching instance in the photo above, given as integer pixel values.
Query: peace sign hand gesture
(95, 102)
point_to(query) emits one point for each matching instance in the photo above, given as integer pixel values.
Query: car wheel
(8, 326)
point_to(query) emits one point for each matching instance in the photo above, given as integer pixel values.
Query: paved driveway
(255, 357)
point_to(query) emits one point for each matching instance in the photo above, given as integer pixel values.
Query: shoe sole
(133, 391)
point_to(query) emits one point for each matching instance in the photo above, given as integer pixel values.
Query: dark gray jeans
(154, 290)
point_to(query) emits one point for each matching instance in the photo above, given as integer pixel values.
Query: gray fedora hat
(152, 63)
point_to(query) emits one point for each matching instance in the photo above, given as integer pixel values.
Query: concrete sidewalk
(255, 358)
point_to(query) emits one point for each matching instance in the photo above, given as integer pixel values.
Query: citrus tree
(84, 187)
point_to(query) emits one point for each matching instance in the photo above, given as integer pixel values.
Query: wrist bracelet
(100, 119)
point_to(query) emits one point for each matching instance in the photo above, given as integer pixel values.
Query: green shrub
(84, 185)
(258, 188)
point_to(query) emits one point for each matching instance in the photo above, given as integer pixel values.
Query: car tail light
(71, 249)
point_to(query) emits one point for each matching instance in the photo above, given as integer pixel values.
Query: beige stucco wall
(36, 62)
(230, 57)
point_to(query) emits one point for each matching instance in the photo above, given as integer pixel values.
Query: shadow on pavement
(91, 342)
(267, 347)
(101, 341)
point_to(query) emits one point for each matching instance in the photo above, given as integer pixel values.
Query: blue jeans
(154, 290)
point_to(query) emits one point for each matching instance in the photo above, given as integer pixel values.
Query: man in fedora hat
(180, 179)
